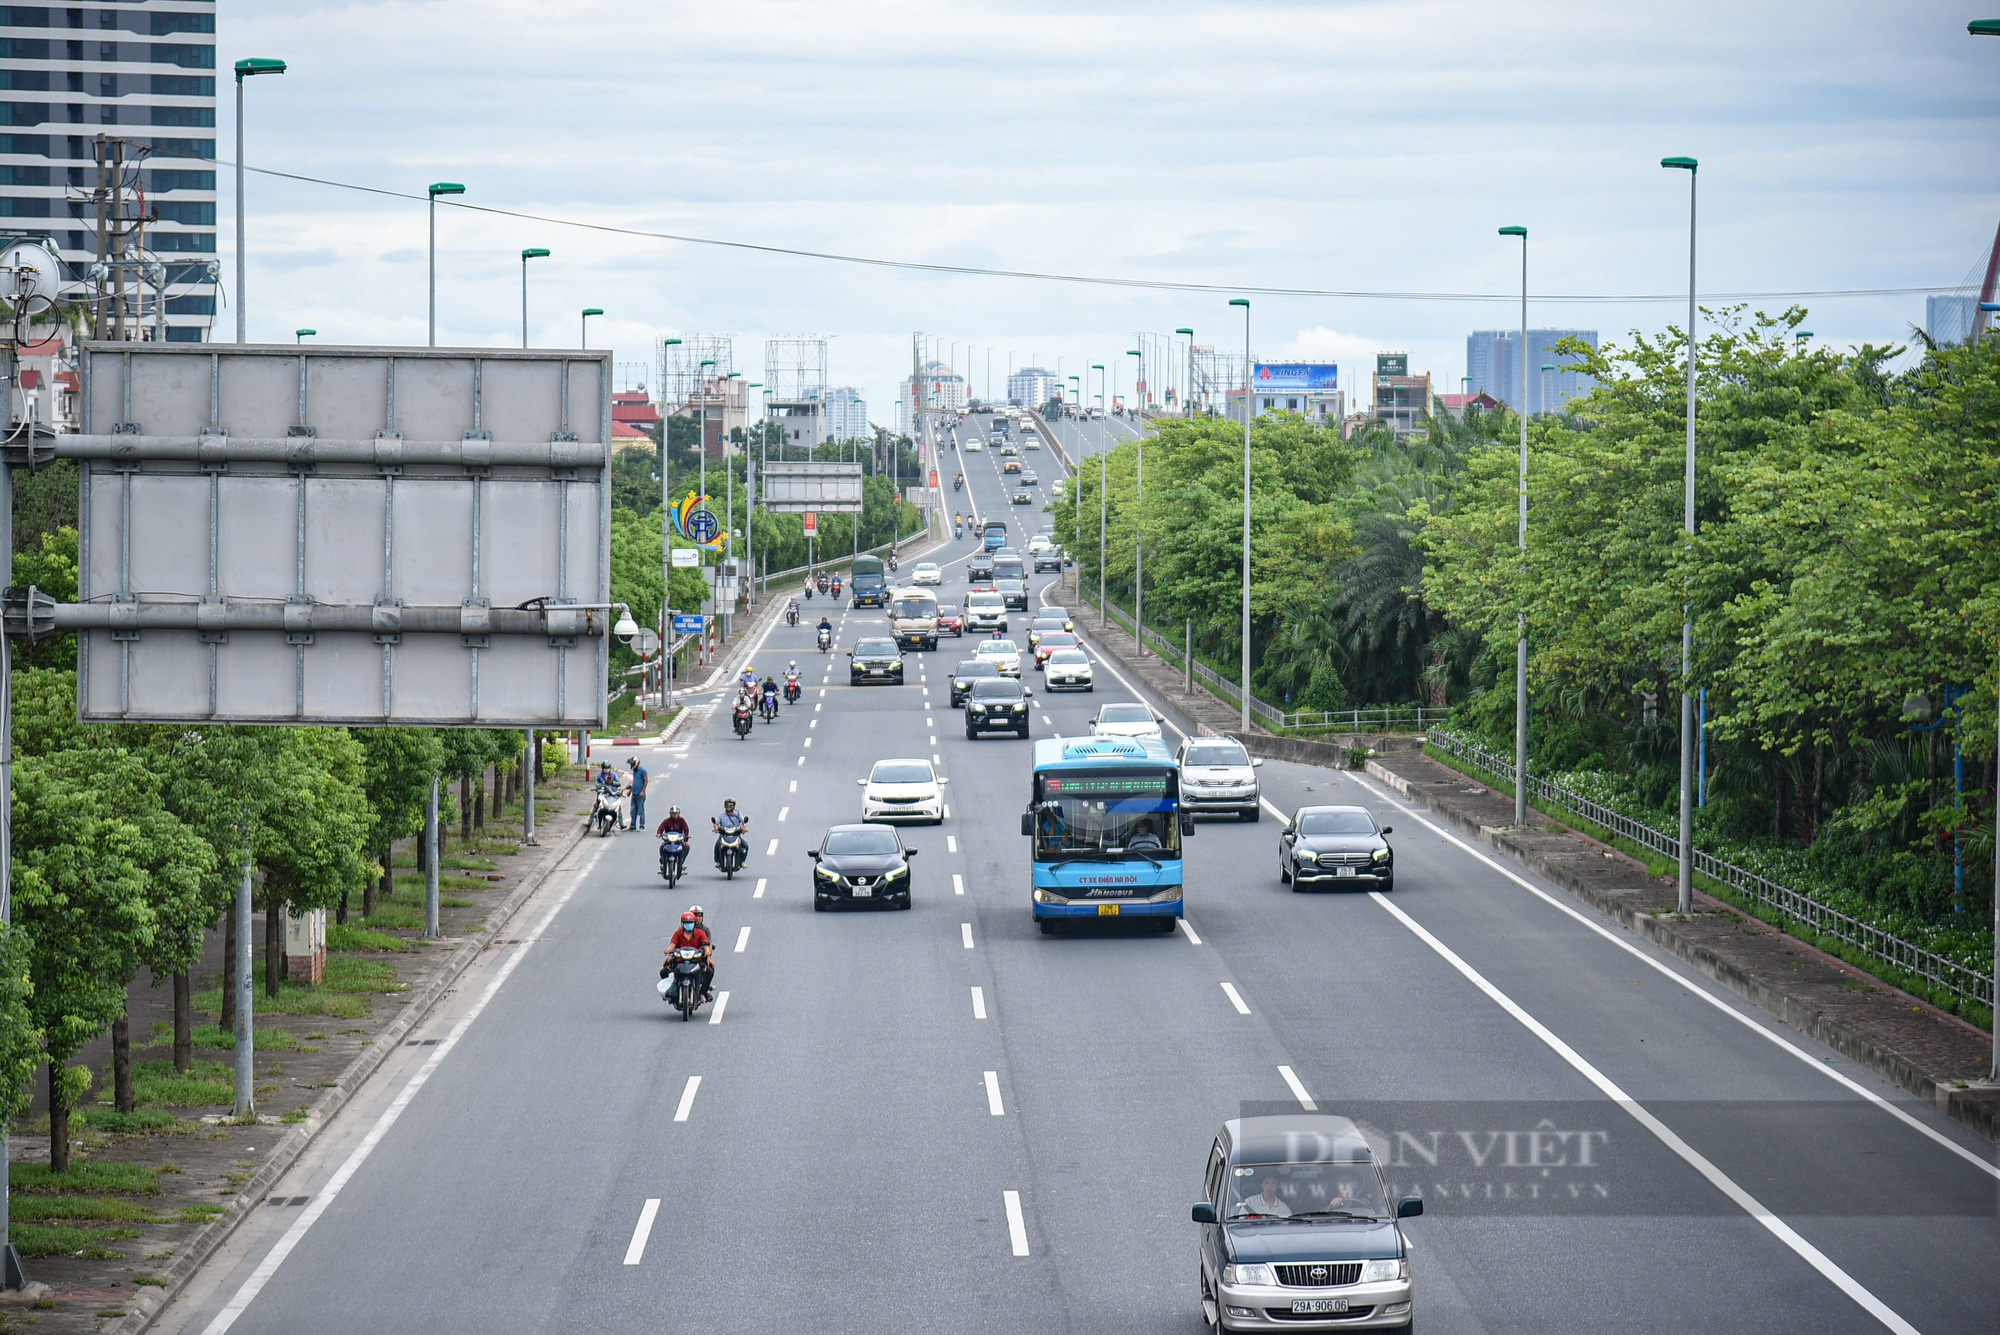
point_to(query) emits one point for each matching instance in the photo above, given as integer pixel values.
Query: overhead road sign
(350, 535)
(794, 488)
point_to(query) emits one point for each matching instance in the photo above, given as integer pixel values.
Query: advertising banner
(1296, 377)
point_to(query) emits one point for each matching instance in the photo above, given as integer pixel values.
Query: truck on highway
(868, 584)
(913, 616)
(994, 533)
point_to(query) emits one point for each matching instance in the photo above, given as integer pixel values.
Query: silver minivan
(1218, 775)
(985, 610)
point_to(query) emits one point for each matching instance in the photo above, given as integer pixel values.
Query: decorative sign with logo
(812, 524)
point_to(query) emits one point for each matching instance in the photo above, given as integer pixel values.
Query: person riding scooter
(825, 634)
(792, 612)
(768, 701)
(675, 824)
(730, 821)
(792, 682)
(692, 934)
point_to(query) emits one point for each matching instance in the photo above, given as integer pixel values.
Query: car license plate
(864, 892)
(1108, 910)
(1343, 871)
(1319, 1304)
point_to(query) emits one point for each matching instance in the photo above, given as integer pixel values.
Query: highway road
(941, 1120)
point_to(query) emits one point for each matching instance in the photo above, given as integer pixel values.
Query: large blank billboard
(359, 535)
(823, 488)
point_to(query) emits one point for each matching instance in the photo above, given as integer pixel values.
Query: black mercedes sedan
(861, 864)
(1335, 845)
(967, 672)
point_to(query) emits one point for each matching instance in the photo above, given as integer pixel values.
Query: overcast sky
(1351, 146)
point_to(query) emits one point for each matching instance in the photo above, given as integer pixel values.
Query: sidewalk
(1935, 1056)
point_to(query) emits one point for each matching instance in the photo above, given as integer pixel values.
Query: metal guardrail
(1912, 959)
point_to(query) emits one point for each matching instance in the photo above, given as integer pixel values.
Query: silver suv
(1218, 775)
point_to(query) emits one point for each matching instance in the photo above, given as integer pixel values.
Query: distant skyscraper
(141, 72)
(846, 414)
(1948, 319)
(943, 389)
(1031, 386)
(1492, 367)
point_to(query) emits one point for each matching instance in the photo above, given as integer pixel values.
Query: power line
(1091, 280)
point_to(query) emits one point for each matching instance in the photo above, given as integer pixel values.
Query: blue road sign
(703, 526)
(687, 625)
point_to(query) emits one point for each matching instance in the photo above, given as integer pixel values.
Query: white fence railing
(1912, 959)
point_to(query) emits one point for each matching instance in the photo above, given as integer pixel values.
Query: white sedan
(1004, 655)
(973, 446)
(1069, 669)
(927, 572)
(903, 790)
(1136, 721)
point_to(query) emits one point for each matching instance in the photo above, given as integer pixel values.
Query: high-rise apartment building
(1031, 387)
(943, 390)
(140, 76)
(846, 414)
(1948, 319)
(1492, 366)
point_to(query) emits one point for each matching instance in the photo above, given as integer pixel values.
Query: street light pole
(1187, 388)
(583, 337)
(245, 69)
(437, 188)
(1244, 302)
(1686, 897)
(1139, 519)
(1521, 540)
(532, 253)
(301, 335)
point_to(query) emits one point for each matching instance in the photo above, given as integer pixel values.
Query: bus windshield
(1098, 815)
(996, 528)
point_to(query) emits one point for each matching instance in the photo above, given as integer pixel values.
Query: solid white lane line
(965, 934)
(324, 1198)
(687, 1098)
(1721, 1181)
(743, 939)
(785, 811)
(772, 851)
(957, 884)
(1660, 967)
(951, 843)
(1228, 989)
(993, 1104)
(1298, 1090)
(978, 1003)
(636, 1249)
(1017, 1227)
(1187, 930)
(758, 893)
(721, 1001)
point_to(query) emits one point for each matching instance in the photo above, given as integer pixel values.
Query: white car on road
(927, 572)
(1130, 720)
(1005, 655)
(1069, 669)
(973, 445)
(903, 790)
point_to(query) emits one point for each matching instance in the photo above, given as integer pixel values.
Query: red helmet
(689, 919)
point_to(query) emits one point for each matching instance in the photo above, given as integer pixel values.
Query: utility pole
(102, 198)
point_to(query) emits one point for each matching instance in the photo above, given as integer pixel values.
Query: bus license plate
(1319, 1304)
(1108, 910)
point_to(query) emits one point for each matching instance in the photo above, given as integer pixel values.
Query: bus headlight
(1048, 897)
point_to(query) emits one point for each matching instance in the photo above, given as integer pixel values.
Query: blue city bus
(1105, 817)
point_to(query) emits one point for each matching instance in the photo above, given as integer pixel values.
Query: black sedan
(861, 864)
(875, 659)
(1335, 845)
(995, 706)
(968, 672)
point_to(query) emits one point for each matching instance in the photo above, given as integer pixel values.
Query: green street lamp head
(670, 342)
(1239, 301)
(1133, 352)
(258, 65)
(533, 253)
(592, 310)
(709, 362)
(1984, 27)
(303, 334)
(1521, 232)
(1097, 366)
(1188, 332)
(1683, 164)
(446, 188)
(1548, 368)
(1802, 335)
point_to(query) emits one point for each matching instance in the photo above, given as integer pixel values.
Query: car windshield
(876, 648)
(1056, 639)
(1336, 822)
(927, 567)
(901, 771)
(996, 648)
(989, 601)
(1067, 657)
(1215, 755)
(1305, 1191)
(912, 608)
(1010, 585)
(1054, 613)
(861, 843)
(1048, 623)
(947, 609)
(996, 688)
(1116, 815)
(1125, 714)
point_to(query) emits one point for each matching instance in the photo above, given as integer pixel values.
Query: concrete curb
(204, 1243)
(1891, 1065)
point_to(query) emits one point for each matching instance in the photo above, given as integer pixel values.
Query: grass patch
(64, 1240)
(272, 1039)
(340, 936)
(85, 1177)
(152, 1280)
(139, 1122)
(464, 863)
(295, 999)
(200, 1214)
(205, 1084)
(345, 973)
(80, 1210)
(295, 1116)
(455, 901)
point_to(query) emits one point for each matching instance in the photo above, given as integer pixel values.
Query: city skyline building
(1492, 366)
(1401, 399)
(140, 75)
(847, 414)
(1031, 387)
(943, 389)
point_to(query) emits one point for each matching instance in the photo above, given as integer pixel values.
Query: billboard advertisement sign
(1297, 377)
(793, 488)
(811, 521)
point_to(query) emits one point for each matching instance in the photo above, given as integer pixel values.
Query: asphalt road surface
(941, 1120)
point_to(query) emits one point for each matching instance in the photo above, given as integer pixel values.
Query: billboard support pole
(528, 793)
(431, 862)
(246, 988)
(11, 1274)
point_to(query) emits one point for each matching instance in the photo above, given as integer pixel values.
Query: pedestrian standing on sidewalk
(639, 777)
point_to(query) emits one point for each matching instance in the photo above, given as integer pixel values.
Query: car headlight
(826, 874)
(899, 873)
(1307, 855)
(976, 707)
(1378, 1272)
(1381, 855)
(1249, 1274)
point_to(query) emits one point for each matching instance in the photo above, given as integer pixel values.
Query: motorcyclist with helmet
(769, 694)
(691, 933)
(730, 821)
(825, 632)
(792, 686)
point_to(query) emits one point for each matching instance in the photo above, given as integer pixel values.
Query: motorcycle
(821, 581)
(791, 616)
(604, 811)
(731, 851)
(681, 988)
(825, 640)
(892, 563)
(768, 707)
(740, 719)
(958, 531)
(673, 857)
(958, 483)
(836, 588)
(791, 690)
